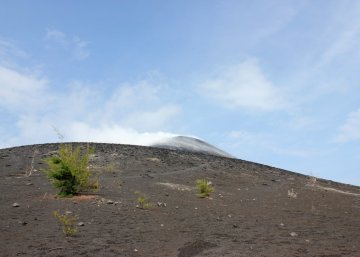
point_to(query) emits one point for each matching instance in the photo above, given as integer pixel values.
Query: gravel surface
(256, 210)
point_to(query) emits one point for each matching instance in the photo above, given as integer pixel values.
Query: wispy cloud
(346, 42)
(267, 143)
(244, 86)
(9, 50)
(139, 105)
(344, 33)
(80, 49)
(132, 95)
(19, 90)
(155, 119)
(74, 44)
(350, 130)
(56, 36)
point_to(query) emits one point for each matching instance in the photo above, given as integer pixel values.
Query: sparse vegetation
(111, 167)
(292, 193)
(70, 172)
(204, 188)
(67, 221)
(143, 201)
(153, 159)
(30, 170)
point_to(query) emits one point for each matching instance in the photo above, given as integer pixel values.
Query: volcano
(255, 210)
(190, 144)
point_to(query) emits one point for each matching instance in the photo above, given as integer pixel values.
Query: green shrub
(67, 221)
(111, 167)
(143, 201)
(204, 188)
(69, 171)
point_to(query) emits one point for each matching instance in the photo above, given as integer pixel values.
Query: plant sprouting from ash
(143, 201)
(67, 221)
(70, 172)
(204, 188)
(292, 194)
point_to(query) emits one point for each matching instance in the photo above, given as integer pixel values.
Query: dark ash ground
(249, 214)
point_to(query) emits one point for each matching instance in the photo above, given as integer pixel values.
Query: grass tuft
(292, 194)
(143, 201)
(67, 221)
(204, 188)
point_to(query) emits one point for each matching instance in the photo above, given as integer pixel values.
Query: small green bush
(67, 221)
(69, 171)
(143, 201)
(204, 188)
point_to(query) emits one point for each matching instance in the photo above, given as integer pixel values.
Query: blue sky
(275, 82)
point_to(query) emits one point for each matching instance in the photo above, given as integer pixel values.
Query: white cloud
(132, 95)
(155, 119)
(121, 104)
(241, 135)
(244, 139)
(34, 129)
(244, 86)
(130, 106)
(75, 45)
(113, 134)
(134, 114)
(300, 151)
(20, 90)
(350, 130)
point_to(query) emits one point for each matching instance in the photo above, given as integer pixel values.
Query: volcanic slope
(256, 210)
